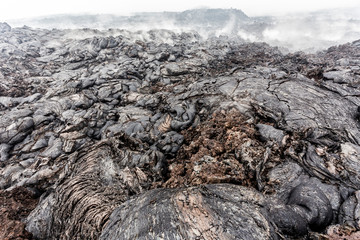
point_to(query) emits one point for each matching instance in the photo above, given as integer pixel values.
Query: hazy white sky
(15, 9)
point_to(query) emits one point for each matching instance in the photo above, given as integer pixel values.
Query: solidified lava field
(160, 135)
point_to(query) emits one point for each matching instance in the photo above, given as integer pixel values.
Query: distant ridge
(209, 18)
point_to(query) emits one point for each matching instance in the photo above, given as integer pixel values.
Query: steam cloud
(307, 32)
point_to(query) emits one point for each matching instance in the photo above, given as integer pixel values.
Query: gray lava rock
(4, 27)
(4, 152)
(209, 212)
(270, 133)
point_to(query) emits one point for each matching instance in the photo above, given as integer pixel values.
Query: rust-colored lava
(15, 205)
(223, 149)
(342, 232)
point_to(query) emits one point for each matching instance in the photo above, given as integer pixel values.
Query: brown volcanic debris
(15, 206)
(341, 232)
(223, 149)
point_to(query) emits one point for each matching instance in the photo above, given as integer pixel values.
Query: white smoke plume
(307, 32)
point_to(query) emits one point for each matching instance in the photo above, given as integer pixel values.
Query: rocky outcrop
(168, 135)
(4, 27)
